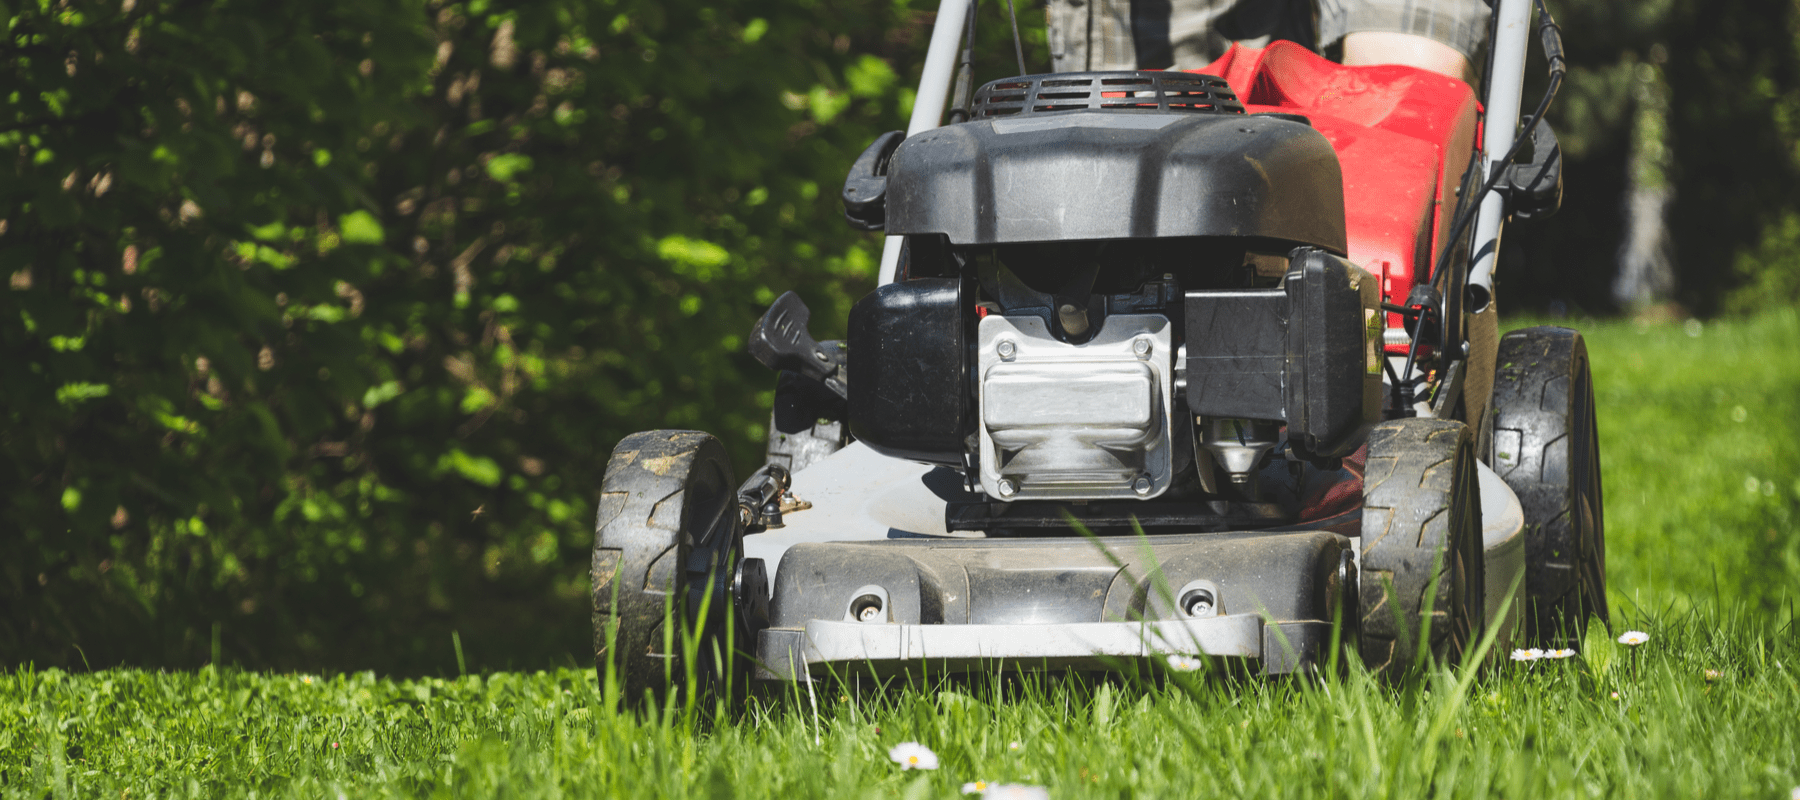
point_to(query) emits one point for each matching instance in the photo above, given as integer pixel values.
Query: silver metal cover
(1075, 422)
(1077, 645)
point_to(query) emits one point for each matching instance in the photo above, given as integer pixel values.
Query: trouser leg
(1185, 34)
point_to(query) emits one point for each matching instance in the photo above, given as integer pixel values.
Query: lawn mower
(1192, 365)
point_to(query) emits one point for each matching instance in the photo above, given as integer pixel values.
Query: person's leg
(1439, 35)
(1413, 50)
(1091, 35)
(1167, 34)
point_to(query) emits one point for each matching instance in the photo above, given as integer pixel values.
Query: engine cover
(1116, 174)
(1075, 422)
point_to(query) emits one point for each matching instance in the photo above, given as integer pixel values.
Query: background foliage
(321, 318)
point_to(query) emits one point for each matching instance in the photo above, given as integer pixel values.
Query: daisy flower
(1567, 652)
(1016, 791)
(1634, 638)
(1013, 746)
(1527, 655)
(1713, 675)
(975, 787)
(912, 755)
(1183, 663)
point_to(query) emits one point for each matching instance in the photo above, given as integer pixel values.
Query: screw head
(1199, 606)
(1006, 348)
(1141, 347)
(1008, 488)
(1198, 603)
(1141, 485)
(870, 614)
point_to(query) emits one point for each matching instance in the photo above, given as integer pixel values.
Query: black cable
(1500, 166)
(965, 82)
(1018, 46)
(1393, 378)
(1550, 34)
(1412, 354)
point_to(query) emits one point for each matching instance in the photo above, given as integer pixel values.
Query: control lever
(780, 341)
(759, 499)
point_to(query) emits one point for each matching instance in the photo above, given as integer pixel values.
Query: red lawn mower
(1162, 365)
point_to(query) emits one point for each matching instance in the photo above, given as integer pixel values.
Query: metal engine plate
(1076, 422)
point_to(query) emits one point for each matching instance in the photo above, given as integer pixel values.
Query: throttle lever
(781, 342)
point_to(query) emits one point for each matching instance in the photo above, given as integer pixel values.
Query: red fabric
(1403, 137)
(1327, 494)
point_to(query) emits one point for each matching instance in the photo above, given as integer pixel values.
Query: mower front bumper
(882, 608)
(843, 648)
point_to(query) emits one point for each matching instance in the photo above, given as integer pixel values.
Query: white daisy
(1183, 663)
(1527, 655)
(1013, 746)
(912, 755)
(1016, 791)
(1567, 652)
(975, 787)
(1634, 638)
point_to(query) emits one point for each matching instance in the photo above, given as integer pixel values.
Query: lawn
(1701, 446)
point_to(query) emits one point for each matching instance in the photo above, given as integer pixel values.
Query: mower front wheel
(1422, 570)
(665, 546)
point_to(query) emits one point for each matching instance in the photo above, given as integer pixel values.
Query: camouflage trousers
(1186, 34)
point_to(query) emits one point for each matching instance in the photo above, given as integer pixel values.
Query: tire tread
(1536, 396)
(1410, 516)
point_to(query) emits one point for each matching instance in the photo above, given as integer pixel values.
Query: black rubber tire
(1547, 448)
(667, 529)
(1421, 519)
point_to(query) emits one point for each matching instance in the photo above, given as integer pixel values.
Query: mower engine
(1118, 287)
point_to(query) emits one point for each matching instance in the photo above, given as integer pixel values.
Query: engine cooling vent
(1105, 91)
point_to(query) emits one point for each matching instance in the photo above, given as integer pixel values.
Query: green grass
(1703, 555)
(1700, 450)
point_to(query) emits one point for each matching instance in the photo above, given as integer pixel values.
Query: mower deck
(869, 580)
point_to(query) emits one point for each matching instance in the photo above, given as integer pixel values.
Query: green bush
(323, 317)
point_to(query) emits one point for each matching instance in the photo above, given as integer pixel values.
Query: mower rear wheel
(1421, 545)
(1547, 449)
(667, 537)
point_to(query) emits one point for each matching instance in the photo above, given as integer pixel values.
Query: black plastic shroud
(1308, 354)
(909, 368)
(1175, 158)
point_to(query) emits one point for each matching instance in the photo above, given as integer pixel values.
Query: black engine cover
(1115, 174)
